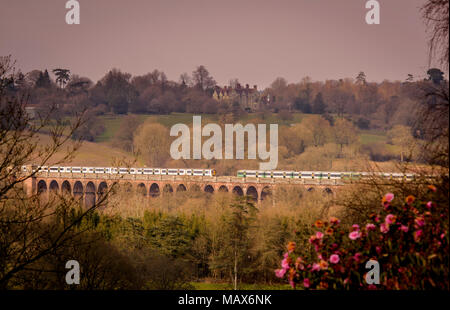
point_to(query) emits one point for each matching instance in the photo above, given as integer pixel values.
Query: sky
(255, 41)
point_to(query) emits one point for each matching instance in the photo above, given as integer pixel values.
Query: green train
(330, 175)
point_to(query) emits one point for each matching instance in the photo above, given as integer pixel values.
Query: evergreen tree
(43, 80)
(319, 105)
(236, 242)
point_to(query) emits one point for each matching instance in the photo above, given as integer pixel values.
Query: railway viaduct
(89, 186)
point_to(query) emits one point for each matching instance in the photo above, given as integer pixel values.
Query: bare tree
(202, 79)
(435, 13)
(31, 228)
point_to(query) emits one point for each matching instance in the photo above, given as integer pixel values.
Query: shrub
(409, 240)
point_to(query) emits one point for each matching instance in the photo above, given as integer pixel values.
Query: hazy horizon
(254, 41)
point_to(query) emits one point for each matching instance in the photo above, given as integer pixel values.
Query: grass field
(90, 154)
(367, 137)
(112, 122)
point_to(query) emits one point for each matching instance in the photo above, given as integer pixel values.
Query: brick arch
(89, 195)
(181, 188)
(328, 191)
(167, 189)
(54, 187)
(102, 188)
(41, 187)
(127, 186)
(154, 190)
(141, 189)
(252, 192)
(237, 190)
(266, 192)
(66, 188)
(209, 189)
(78, 190)
(223, 189)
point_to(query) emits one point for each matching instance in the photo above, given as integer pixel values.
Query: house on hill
(248, 98)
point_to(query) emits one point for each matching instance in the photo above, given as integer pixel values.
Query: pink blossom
(334, 220)
(370, 226)
(279, 273)
(418, 234)
(299, 263)
(354, 235)
(334, 259)
(285, 264)
(319, 235)
(390, 219)
(429, 204)
(306, 282)
(404, 228)
(377, 219)
(419, 221)
(442, 236)
(315, 267)
(384, 228)
(286, 255)
(378, 249)
(357, 257)
(355, 227)
(389, 197)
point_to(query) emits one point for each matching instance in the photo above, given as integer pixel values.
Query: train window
(148, 171)
(278, 174)
(99, 170)
(123, 170)
(172, 171)
(54, 169)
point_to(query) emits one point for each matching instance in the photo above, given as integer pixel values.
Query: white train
(121, 170)
(320, 175)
